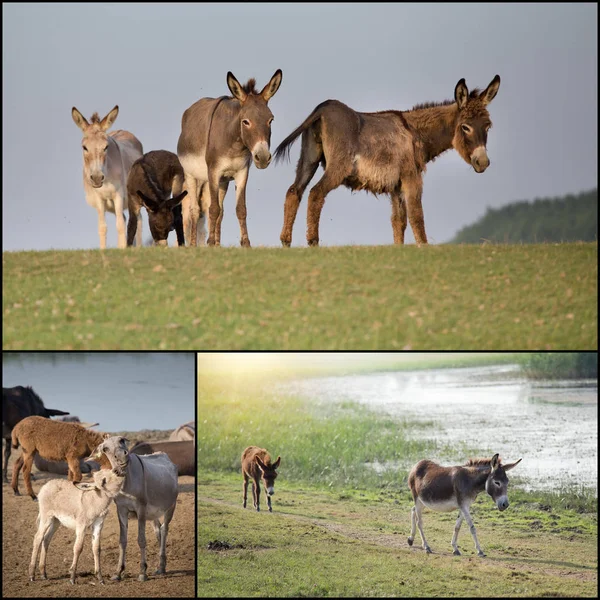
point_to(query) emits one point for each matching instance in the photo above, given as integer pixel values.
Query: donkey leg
(74, 469)
(310, 155)
(27, 465)
(120, 216)
(6, 457)
(241, 179)
(418, 511)
(122, 514)
(398, 216)
(78, 546)
(413, 526)
(189, 209)
(413, 189)
(132, 224)
(465, 513)
(37, 542)
(164, 531)
(15, 475)
(48, 533)
(96, 530)
(142, 544)
(256, 494)
(245, 489)
(223, 185)
(316, 200)
(102, 226)
(455, 536)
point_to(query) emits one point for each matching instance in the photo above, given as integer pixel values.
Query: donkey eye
(246, 123)
(105, 149)
(104, 449)
(271, 120)
(466, 128)
(497, 483)
(85, 149)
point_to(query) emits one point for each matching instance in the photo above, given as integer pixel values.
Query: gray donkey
(152, 180)
(384, 153)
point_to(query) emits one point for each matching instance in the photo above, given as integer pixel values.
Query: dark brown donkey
(384, 153)
(152, 180)
(219, 139)
(450, 488)
(256, 464)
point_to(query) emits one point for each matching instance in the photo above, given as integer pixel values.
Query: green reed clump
(316, 443)
(560, 365)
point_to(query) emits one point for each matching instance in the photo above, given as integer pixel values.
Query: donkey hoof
(313, 243)
(160, 571)
(32, 578)
(410, 541)
(142, 577)
(457, 553)
(270, 509)
(245, 243)
(428, 550)
(480, 553)
(286, 243)
(72, 581)
(17, 492)
(34, 498)
(115, 578)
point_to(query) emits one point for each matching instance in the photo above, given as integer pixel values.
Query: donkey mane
(156, 192)
(250, 87)
(95, 118)
(473, 94)
(480, 462)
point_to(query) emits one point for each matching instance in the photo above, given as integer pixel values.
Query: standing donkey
(219, 139)
(450, 488)
(384, 153)
(256, 464)
(152, 180)
(107, 159)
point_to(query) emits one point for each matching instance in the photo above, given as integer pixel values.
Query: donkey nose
(97, 180)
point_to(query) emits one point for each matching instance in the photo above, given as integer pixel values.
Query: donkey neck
(434, 127)
(479, 475)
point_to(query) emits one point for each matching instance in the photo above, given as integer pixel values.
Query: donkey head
(115, 449)
(255, 116)
(497, 482)
(160, 215)
(473, 123)
(95, 144)
(268, 474)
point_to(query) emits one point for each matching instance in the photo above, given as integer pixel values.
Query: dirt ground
(19, 514)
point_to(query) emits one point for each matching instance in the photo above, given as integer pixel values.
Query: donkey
(151, 181)
(256, 464)
(107, 159)
(384, 153)
(219, 139)
(448, 488)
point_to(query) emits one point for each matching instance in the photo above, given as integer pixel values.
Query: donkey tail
(15, 439)
(283, 150)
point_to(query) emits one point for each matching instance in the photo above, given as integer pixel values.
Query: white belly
(195, 166)
(441, 506)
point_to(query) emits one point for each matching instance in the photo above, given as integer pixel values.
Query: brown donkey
(384, 153)
(450, 488)
(256, 464)
(219, 139)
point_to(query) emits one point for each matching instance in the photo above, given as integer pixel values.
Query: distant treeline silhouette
(563, 219)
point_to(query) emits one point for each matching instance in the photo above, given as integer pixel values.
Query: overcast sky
(122, 391)
(155, 60)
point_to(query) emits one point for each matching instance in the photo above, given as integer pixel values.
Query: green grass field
(340, 529)
(490, 297)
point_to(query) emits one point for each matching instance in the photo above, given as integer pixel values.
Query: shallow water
(552, 425)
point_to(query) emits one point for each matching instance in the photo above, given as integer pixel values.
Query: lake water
(552, 425)
(124, 391)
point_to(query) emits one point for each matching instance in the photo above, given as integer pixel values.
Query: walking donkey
(384, 153)
(107, 159)
(257, 465)
(219, 139)
(156, 180)
(448, 488)
(18, 403)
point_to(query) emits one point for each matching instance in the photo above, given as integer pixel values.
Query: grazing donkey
(256, 464)
(151, 181)
(448, 488)
(219, 138)
(384, 153)
(107, 159)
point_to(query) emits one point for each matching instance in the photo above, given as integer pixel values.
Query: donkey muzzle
(479, 159)
(97, 179)
(271, 491)
(502, 503)
(261, 155)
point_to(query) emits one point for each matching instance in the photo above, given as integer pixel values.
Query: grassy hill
(468, 297)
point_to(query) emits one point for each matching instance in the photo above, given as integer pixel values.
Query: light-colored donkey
(107, 159)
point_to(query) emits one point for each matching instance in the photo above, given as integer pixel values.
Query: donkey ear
(461, 93)
(490, 91)
(271, 88)
(495, 461)
(109, 119)
(512, 465)
(235, 88)
(150, 204)
(85, 487)
(276, 464)
(96, 454)
(173, 202)
(106, 436)
(79, 119)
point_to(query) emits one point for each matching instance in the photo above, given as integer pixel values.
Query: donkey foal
(448, 488)
(256, 464)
